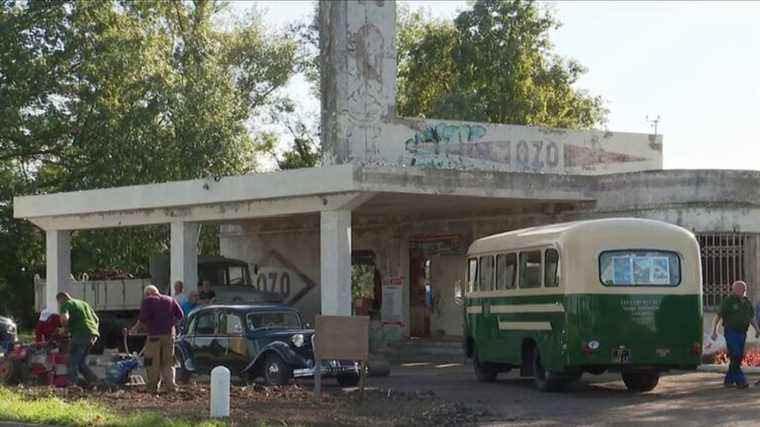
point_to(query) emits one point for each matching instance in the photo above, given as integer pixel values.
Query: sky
(695, 65)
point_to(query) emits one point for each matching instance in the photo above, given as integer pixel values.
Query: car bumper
(332, 368)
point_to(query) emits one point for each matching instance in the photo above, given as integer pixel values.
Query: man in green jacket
(82, 323)
(737, 314)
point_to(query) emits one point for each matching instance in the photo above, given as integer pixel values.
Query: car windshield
(273, 320)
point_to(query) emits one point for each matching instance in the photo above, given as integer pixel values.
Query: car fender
(278, 347)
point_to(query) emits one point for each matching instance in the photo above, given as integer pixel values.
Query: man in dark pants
(159, 315)
(82, 323)
(737, 314)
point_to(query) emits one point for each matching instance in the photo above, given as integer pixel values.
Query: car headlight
(297, 340)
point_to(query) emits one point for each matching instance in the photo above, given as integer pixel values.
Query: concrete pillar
(335, 264)
(58, 265)
(184, 255)
(358, 71)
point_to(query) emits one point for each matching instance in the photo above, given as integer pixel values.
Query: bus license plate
(621, 355)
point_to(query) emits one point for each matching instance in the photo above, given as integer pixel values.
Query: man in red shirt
(158, 317)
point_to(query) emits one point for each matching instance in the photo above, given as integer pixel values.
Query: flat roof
(378, 191)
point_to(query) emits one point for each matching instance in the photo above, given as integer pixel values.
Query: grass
(54, 411)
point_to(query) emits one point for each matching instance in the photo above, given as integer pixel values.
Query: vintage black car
(253, 341)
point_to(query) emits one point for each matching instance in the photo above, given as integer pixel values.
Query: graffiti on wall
(461, 146)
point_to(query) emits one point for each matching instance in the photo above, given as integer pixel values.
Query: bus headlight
(297, 340)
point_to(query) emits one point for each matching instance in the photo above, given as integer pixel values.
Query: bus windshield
(639, 268)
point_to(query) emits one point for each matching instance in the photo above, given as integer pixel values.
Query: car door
(204, 341)
(232, 338)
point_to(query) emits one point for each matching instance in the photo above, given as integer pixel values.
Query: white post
(220, 392)
(58, 265)
(184, 255)
(335, 270)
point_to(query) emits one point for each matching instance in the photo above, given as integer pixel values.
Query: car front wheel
(276, 372)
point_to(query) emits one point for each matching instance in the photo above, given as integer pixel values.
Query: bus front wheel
(640, 382)
(484, 372)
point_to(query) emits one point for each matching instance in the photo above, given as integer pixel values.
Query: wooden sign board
(342, 337)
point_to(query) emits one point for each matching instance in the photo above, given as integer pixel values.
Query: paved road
(683, 399)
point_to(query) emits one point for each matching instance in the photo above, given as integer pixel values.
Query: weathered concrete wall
(441, 144)
(358, 63)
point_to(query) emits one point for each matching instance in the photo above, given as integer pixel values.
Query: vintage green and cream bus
(589, 296)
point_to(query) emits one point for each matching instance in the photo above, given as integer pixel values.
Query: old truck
(117, 302)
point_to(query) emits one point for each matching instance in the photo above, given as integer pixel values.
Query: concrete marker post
(220, 392)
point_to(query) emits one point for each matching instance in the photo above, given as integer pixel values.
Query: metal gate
(723, 262)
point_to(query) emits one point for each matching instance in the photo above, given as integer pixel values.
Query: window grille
(723, 262)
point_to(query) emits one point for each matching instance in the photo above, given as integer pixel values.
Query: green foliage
(113, 93)
(493, 63)
(305, 150)
(362, 280)
(53, 411)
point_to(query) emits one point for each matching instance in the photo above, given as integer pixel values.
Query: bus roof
(556, 233)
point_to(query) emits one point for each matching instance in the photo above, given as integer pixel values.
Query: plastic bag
(711, 346)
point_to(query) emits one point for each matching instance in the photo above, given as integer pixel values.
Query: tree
(493, 63)
(112, 93)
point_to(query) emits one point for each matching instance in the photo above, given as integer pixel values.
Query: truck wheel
(10, 371)
(276, 372)
(641, 382)
(544, 380)
(348, 380)
(181, 374)
(484, 371)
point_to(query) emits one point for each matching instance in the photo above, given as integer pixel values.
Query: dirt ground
(447, 394)
(290, 405)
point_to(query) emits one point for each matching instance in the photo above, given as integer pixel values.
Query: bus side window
(472, 274)
(506, 270)
(551, 268)
(485, 277)
(530, 269)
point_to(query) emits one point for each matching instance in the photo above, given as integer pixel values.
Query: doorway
(420, 304)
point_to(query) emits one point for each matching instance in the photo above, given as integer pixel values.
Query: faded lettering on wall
(464, 146)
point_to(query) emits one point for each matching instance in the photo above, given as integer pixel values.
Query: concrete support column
(58, 265)
(358, 72)
(184, 255)
(335, 264)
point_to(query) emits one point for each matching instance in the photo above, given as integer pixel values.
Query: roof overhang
(290, 192)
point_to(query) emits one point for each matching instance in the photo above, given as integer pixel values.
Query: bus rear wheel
(640, 382)
(484, 372)
(544, 380)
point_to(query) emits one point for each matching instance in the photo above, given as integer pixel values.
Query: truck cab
(230, 279)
